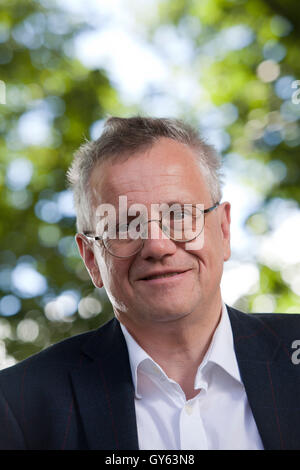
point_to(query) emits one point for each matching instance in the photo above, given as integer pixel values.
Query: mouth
(164, 277)
(159, 276)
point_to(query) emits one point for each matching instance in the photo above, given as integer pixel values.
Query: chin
(167, 315)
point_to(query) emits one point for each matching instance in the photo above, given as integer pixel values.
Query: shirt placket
(191, 428)
(192, 433)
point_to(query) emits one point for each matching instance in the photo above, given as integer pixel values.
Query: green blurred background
(228, 67)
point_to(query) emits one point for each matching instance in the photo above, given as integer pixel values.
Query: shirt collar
(137, 356)
(221, 349)
(220, 352)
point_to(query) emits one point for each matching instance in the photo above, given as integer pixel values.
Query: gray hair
(122, 137)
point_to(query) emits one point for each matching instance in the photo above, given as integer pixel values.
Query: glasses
(181, 225)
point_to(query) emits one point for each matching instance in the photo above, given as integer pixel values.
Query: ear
(225, 228)
(87, 254)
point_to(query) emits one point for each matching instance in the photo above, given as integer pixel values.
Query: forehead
(166, 172)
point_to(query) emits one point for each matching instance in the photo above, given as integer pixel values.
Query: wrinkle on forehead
(157, 170)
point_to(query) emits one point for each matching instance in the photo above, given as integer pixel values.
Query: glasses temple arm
(211, 208)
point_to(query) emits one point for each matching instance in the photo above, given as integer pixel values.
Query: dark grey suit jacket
(78, 394)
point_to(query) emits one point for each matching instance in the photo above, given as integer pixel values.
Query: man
(176, 368)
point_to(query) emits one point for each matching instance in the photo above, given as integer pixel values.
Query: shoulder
(65, 353)
(278, 319)
(54, 360)
(284, 326)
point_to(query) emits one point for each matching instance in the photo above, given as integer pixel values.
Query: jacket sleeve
(11, 435)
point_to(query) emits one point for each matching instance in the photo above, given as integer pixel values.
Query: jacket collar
(267, 374)
(248, 330)
(104, 391)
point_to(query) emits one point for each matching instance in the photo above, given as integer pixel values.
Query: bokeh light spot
(9, 305)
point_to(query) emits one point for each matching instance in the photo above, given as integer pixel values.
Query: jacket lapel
(267, 374)
(104, 391)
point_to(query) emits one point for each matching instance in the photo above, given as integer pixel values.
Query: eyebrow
(178, 202)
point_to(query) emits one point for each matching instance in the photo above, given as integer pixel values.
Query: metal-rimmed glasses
(183, 225)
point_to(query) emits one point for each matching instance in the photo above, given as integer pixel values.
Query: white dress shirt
(218, 418)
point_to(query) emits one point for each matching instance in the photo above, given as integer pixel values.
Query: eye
(181, 214)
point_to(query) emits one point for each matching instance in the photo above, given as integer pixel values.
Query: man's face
(166, 173)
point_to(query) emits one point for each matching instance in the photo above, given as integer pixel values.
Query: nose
(157, 245)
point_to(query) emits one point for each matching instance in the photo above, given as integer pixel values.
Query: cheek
(208, 252)
(114, 273)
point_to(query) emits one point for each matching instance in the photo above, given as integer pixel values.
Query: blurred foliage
(51, 102)
(243, 54)
(231, 38)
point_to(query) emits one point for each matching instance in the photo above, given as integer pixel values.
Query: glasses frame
(89, 236)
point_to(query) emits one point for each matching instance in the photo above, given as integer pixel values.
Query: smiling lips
(162, 275)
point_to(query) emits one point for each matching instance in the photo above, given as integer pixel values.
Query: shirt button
(188, 408)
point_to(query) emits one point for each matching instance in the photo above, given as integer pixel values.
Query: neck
(178, 346)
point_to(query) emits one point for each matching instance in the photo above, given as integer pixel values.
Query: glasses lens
(123, 248)
(184, 224)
